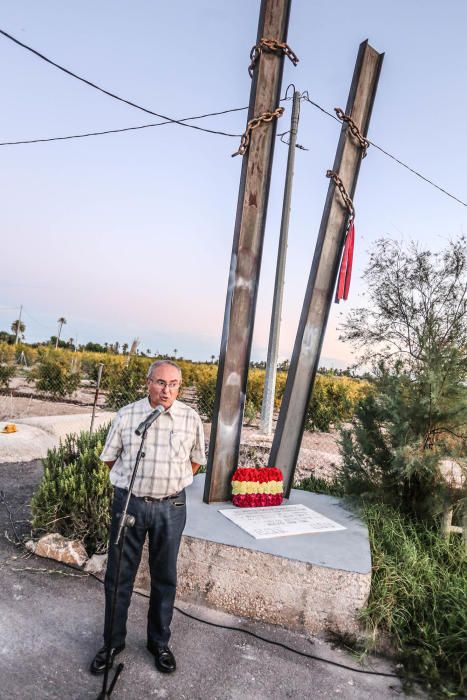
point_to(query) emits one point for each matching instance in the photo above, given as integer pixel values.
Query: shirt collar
(174, 410)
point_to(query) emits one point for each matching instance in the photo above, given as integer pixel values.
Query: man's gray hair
(159, 363)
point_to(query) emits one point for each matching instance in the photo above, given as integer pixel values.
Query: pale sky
(130, 234)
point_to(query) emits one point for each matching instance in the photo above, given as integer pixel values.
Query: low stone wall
(293, 594)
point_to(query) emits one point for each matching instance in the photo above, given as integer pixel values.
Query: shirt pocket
(179, 447)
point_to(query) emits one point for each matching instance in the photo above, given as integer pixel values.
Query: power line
(111, 94)
(386, 153)
(183, 122)
(128, 128)
(415, 172)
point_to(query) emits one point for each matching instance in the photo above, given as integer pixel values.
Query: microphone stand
(126, 520)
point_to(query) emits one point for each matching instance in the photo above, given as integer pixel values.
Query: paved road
(51, 625)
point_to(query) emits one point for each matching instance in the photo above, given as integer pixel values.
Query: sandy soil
(12, 407)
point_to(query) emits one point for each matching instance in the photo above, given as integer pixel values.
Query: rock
(96, 564)
(31, 545)
(57, 547)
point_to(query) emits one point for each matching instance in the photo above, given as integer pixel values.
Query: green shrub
(7, 353)
(205, 396)
(419, 597)
(6, 373)
(329, 404)
(388, 457)
(126, 384)
(318, 485)
(54, 375)
(74, 495)
(250, 412)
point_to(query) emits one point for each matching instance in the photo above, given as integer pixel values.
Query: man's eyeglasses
(172, 386)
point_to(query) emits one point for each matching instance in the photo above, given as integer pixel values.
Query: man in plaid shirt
(173, 452)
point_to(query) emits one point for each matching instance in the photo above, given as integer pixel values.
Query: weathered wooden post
(257, 149)
(324, 269)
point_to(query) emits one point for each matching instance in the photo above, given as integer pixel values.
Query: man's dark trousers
(163, 522)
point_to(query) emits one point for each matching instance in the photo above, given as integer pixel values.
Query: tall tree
(414, 333)
(61, 322)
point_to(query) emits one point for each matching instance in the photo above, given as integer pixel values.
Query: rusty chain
(340, 186)
(364, 143)
(253, 124)
(273, 46)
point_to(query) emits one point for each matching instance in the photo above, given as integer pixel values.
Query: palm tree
(61, 321)
(17, 327)
(175, 352)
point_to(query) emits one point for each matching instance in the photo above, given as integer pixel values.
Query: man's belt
(150, 499)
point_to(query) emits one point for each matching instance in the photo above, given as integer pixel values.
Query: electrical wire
(386, 153)
(111, 94)
(282, 645)
(183, 122)
(118, 131)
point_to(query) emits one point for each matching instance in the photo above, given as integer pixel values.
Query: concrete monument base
(313, 582)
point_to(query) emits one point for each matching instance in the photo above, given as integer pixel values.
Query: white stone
(96, 564)
(55, 546)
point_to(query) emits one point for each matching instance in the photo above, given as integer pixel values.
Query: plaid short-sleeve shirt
(173, 442)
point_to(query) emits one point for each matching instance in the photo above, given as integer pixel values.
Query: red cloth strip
(345, 272)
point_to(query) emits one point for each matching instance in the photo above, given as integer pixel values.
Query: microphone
(147, 422)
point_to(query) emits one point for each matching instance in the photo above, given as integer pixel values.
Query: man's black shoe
(165, 660)
(98, 663)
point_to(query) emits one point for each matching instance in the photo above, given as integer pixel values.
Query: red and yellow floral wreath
(261, 486)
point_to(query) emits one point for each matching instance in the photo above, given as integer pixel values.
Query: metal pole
(267, 408)
(100, 367)
(18, 325)
(237, 332)
(324, 270)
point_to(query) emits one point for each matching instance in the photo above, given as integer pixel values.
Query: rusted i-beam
(247, 246)
(324, 269)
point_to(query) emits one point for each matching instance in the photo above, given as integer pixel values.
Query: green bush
(206, 395)
(316, 484)
(6, 373)
(329, 405)
(54, 375)
(387, 454)
(126, 384)
(419, 597)
(74, 495)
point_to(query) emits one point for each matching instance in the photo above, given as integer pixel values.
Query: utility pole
(324, 269)
(267, 408)
(257, 149)
(18, 325)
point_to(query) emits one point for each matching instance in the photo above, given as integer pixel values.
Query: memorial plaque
(280, 521)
